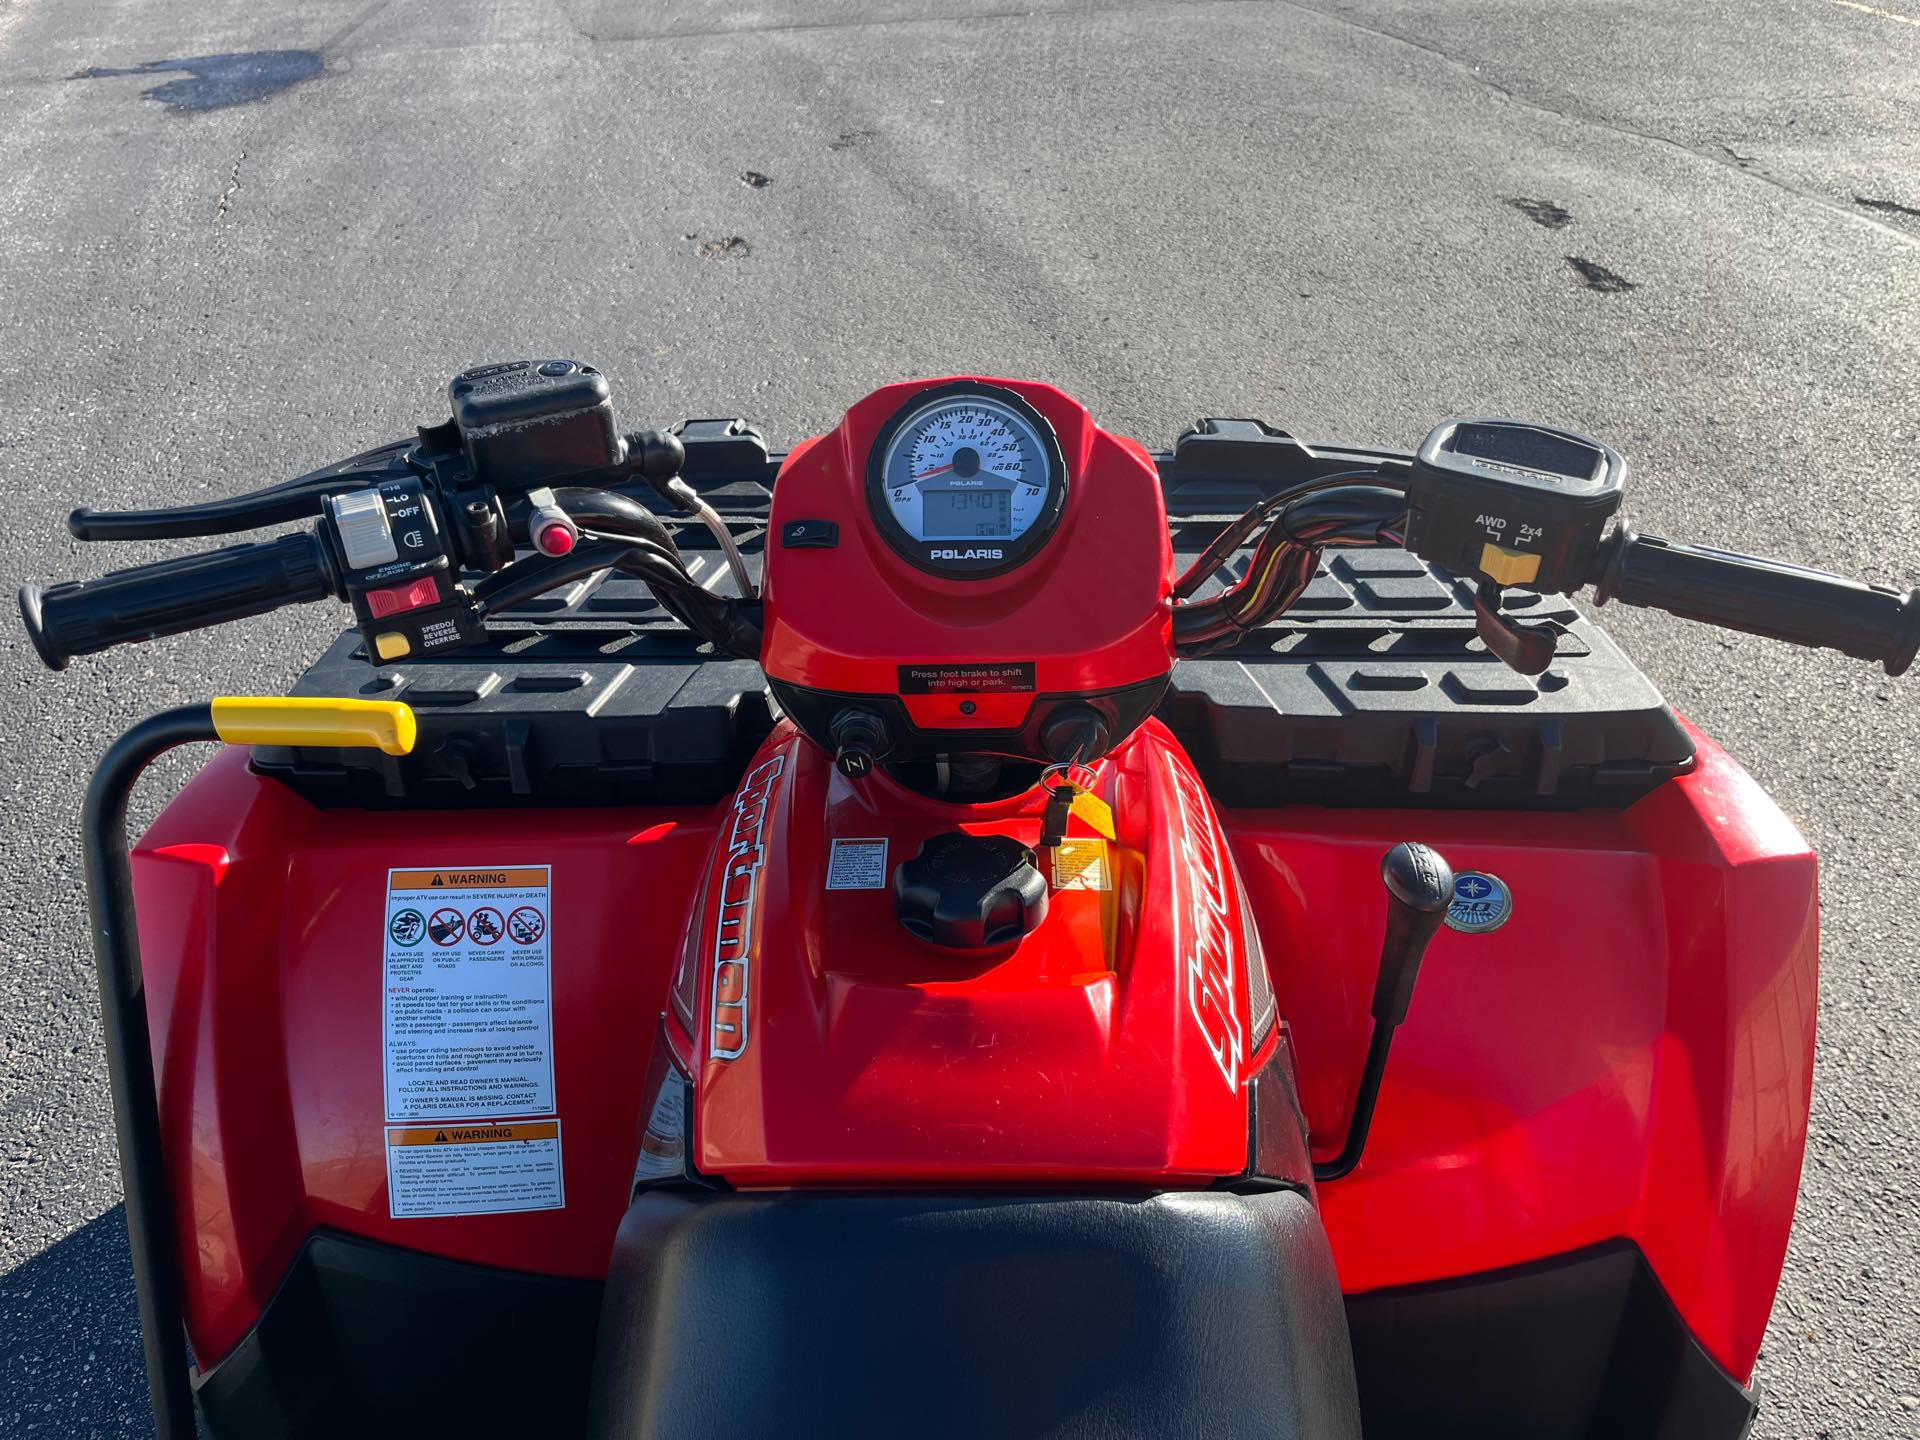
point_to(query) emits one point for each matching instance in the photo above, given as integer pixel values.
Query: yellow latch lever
(340, 724)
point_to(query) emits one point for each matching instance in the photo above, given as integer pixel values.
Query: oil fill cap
(970, 892)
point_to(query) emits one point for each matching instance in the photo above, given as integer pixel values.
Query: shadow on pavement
(70, 1361)
(214, 82)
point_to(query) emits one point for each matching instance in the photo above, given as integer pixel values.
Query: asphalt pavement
(240, 240)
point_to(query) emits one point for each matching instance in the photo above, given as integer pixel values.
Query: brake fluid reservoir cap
(970, 892)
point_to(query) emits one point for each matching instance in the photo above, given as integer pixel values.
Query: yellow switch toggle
(391, 644)
(1508, 567)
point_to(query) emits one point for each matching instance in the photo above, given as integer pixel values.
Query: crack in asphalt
(1618, 127)
(334, 43)
(233, 188)
(352, 27)
(1889, 207)
(1876, 12)
(877, 22)
(959, 230)
(1739, 164)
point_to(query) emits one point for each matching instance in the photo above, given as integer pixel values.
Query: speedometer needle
(928, 474)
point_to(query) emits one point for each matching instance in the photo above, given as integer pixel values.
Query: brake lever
(298, 499)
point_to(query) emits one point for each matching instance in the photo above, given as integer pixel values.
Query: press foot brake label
(474, 1169)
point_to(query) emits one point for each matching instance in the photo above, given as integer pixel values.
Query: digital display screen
(1530, 449)
(966, 514)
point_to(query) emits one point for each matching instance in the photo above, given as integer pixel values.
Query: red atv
(747, 944)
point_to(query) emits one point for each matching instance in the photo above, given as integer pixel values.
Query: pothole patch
(1542, 212)
(1598, 277)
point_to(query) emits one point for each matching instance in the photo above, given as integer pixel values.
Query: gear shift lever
(1419, 889)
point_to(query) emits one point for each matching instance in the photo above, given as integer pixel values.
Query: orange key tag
(1095, 811)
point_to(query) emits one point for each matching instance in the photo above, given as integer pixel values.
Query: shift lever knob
(1419, 889)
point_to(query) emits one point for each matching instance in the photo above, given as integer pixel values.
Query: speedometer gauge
(967, 480)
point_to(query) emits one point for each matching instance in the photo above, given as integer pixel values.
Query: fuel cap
(970, 892)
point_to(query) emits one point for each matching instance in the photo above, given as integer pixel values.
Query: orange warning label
(466, 879)
(474, 1134)
(473, 1168)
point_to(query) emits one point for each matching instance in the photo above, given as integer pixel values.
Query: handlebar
(1794, 603)
(420, 537)
(173, 596)
(530, 455)
(1781, 601)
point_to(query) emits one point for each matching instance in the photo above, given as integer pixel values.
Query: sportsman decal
(1202, 937)
(733, 924)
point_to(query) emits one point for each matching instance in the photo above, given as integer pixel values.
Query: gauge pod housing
(1024, 564)
(969, 481)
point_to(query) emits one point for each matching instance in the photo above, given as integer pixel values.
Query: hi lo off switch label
(467, 1039)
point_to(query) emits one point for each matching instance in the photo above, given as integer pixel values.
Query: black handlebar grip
(195, 591)
(1794, 603)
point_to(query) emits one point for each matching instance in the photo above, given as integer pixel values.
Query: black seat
(1204, 1314)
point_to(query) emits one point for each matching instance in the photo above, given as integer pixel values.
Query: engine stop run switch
(409, 595)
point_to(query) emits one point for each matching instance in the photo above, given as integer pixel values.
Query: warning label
(1081, 865)
(857, 865)
(467, 1013)
(474, 1169)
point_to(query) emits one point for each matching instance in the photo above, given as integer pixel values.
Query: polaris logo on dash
(982, 554)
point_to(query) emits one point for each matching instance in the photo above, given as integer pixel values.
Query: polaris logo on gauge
(966, 554)
(1481, 903)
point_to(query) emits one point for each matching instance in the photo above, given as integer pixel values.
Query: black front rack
(1374, 689)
